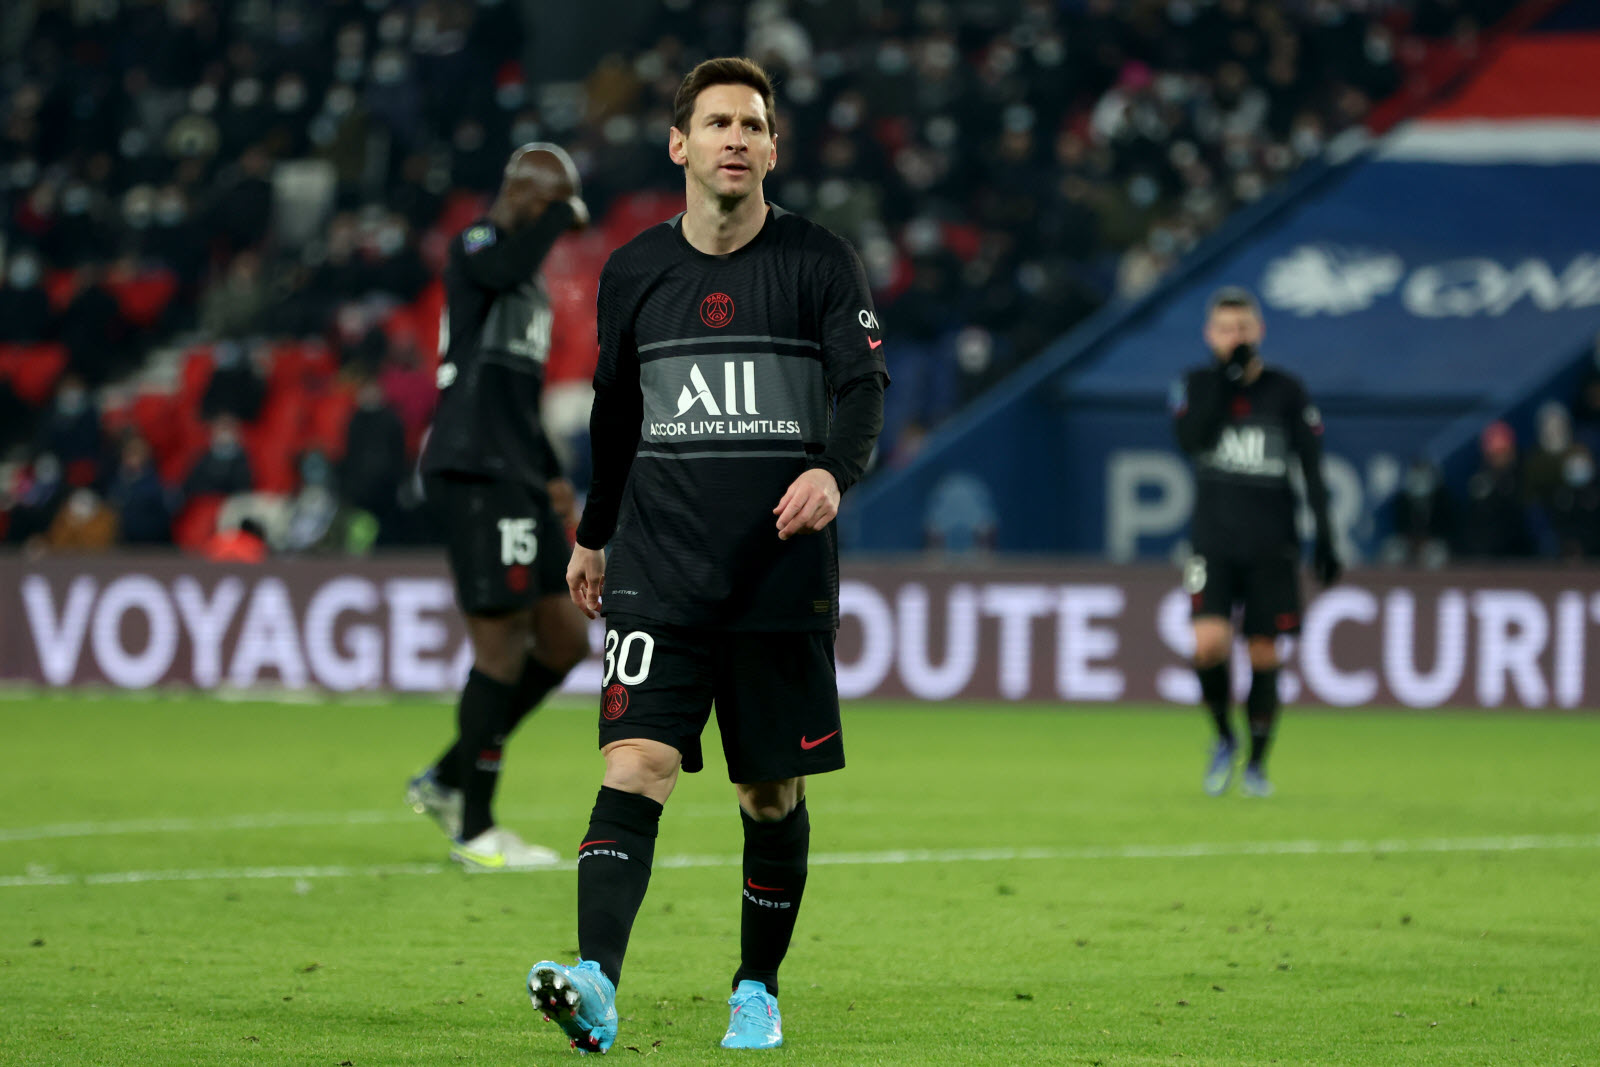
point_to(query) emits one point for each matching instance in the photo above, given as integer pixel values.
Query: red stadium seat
(197, 521)
(33, 369)
(143, 296)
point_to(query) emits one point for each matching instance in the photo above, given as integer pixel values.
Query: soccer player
(1243, 422)
(493, 483)
(739, 391)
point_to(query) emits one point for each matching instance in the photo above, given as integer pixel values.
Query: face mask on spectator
(1578, 471)
(290, 94)
(71, 400)
(246, 93)
(170, 209)
(23, 271)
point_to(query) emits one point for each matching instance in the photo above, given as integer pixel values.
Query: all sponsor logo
(738, 399)
(716, 310)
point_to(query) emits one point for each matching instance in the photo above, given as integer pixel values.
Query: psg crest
(615, 702)
(716, 310)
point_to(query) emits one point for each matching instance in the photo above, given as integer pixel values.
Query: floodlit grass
(186, 880)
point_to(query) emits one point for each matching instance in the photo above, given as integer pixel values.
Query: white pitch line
(290, 819)
(1518, 843)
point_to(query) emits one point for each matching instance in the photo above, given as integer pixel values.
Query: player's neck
(716, 227)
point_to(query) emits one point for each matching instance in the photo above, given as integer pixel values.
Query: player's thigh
(778, 706)
(491, 537)
(657, 685)
(1212, 584)
(1272, 597)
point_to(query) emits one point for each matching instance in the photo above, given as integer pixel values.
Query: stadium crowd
(223, 221)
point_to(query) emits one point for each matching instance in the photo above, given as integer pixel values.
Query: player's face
(1229, 327)
(729, 146)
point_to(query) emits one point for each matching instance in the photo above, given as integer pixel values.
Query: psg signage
(909, 630)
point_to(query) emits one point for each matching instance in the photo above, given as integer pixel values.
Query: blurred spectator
(1423, 519)
(39, 493)
(82, 524)
(144, 514)
(319, 521)
(1495, 525)
(233, 307)
(236, 387)
(94, 331)
(961, 515)
(24, 307)
(1542, 471)
(374, 454)
(16, 417)
(223, 469)
(71, 432)
(245, 543)
(1586, 409)
(1575, 506)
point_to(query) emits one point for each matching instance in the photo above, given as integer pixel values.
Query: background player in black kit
(1242, 422)
(739, 392)
(496, 490)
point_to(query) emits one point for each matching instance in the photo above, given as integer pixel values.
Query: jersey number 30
(619, 650)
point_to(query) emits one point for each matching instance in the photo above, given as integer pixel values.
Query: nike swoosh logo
(874, 344)
(808, 745)
(483, 859)
(764, 888)
(586, 844)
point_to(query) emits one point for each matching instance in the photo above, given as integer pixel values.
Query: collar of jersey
(773, 211)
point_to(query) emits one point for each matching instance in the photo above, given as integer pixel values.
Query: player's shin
(536, 683)
(1214, 686)
(1262, 709)
(775, 856)
(613, 874)
(480, 720)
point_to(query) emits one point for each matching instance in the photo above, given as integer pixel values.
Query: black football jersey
(494, 340)
(1244, 442)
(714, 391)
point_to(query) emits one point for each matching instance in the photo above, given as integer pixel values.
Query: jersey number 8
(620, 649)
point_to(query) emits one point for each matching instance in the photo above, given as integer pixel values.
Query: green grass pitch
(188, 880)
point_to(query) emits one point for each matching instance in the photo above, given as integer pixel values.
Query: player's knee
(1264, 654)
(499, 645)
(642, 766)
(770, 801)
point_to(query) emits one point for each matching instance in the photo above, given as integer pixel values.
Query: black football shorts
(1267, 588)
(776, 696)
(507, 545)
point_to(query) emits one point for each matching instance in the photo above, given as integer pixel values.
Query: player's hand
(563, 500)
(586, 578)
(580, 212)
(810, 504)
(1325, 561)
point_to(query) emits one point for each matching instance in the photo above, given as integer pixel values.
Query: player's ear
(675, 147)
(772, 160)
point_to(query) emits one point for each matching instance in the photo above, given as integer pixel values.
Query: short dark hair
(1233, 296)
(728, 70)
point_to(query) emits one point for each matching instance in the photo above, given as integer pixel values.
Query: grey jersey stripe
(731, 340)
(792, 453)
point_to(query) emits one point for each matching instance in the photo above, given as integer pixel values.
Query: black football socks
(535, 684)
(774, 880)
(480, 718)
(613, 874)
(1214, 684)
(1262, 708)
